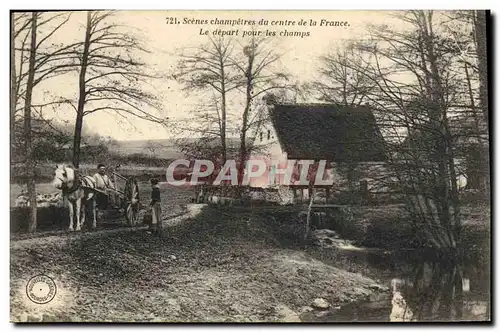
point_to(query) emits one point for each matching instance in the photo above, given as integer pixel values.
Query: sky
(165, 40)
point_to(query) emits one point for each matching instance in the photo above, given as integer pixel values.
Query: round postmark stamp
(41, 289)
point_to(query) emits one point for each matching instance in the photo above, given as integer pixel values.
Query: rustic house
(348, 138)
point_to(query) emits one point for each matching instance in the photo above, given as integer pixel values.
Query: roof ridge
(308, 104)
(304, 133)
(323, 105)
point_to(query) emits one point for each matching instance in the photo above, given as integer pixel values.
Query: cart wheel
(130, 215)
(132, 197)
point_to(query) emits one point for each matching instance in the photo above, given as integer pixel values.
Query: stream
(422, 287)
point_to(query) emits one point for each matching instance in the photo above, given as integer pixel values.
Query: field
(42, 188)
(166, 148)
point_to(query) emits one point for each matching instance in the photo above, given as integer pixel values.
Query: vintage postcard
(250, 166)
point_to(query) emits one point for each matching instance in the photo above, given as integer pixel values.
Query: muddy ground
(216, 267)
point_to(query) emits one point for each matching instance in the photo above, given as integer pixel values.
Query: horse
(76, 190)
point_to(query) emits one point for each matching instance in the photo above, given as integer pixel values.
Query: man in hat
(105, 186)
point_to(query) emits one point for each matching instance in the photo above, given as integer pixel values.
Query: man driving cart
(106, 190)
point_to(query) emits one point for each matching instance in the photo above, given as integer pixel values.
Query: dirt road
(211, 268)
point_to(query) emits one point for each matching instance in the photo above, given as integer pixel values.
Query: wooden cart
(127, 200)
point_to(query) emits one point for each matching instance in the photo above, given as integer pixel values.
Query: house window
(260, 134)
(269, 134)
(272, 175)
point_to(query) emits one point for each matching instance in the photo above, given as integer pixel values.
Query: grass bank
(390, 226)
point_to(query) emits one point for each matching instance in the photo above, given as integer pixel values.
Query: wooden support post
(327, 195)
(308, 219)
(310, 192)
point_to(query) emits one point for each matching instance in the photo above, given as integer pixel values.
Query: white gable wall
(268, 148)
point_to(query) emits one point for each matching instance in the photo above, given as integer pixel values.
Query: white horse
(78, 191)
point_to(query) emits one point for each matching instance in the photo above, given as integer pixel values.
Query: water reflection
(422, 288)
(401, 311)
(438, 291)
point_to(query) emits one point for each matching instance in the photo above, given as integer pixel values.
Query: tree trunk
(480, 29)
(447, 172)
(441, 155)
(12, 83)
(82, 95)
(223, 110)
(482, 55)
(30, 164)
(472, 100)
(244, 125)
(475, 161)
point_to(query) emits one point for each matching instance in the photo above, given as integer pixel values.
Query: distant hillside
(165, 148)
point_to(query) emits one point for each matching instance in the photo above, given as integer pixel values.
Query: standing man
(104, 184)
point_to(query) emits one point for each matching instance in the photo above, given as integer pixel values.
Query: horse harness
(86, 182)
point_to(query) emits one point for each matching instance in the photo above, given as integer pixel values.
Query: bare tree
(51, 60)
(34, 30)
(20, 27)
(340, 80)
(208, 69)
(416, 80)
(30, 166)
(153, 147)
(13, 78)
(261, 76)
(112, 77)
(480, 30)
(462, 26)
